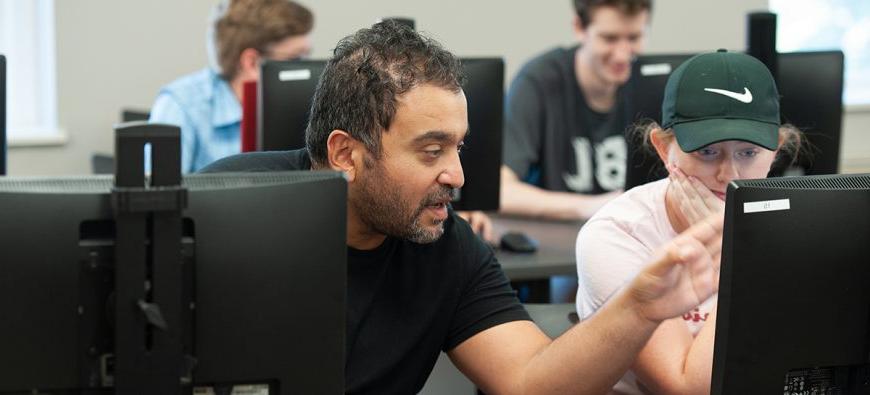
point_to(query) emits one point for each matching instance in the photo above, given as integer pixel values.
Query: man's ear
(578, 28)
(249, 63)
(342, 153)
(661, 141)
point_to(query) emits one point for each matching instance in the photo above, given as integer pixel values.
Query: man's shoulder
(199, 85)
(197, 78)
(261, 161)
(552, 65)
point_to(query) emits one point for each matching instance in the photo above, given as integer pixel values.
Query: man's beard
(381, 207)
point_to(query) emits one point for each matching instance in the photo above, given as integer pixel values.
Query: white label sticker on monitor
(294, 75)
(655, 69)
(255, 389)
(766, 205)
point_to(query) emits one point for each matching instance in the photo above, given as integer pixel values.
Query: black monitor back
(811, 86)
(284, 102)
(269, 302)
(481, 157)
(287, 88)
(133, 114)
(2, 115)
(794, 293)
(644, 94)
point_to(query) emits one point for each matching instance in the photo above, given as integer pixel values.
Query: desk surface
(553, 319)
(555, 255)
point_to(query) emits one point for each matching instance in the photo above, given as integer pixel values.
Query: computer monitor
(481, 157)
(405, 21)
(644, 94)
(811, 89)
(811, 86)
(2, 115)
(134, 114)
(794, 289)
(287, 88)
(284, 102)
(268, 303)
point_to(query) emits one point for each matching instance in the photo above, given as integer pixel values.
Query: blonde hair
(255, 24)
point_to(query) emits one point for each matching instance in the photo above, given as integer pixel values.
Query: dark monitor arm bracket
(149, 310)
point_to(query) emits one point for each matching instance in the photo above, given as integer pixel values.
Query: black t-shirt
(407, 302)
(553, 139)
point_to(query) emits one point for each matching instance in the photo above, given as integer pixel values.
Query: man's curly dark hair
(369, 70)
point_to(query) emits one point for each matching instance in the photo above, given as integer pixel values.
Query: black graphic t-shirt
(553, 139)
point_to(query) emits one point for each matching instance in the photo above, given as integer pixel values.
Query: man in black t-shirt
(391, 115)
(565, 118)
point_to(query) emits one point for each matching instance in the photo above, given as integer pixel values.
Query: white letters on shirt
(610, 156)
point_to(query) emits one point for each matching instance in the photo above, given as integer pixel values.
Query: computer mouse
(518, 242)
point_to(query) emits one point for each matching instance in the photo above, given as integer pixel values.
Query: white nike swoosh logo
(745, 97)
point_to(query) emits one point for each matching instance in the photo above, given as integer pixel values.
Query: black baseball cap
(720, 96)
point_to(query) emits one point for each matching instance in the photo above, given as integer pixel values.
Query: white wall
(112, 54)
(117, 53)
(855, 146)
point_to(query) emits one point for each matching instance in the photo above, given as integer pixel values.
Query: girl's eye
(707, 152)
(748, 153)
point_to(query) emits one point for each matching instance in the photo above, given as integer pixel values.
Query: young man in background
(206, 104)
(564, 147)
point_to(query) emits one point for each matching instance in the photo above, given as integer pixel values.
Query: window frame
(27, 39)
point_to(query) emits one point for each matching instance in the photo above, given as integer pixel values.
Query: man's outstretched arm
(520, 198)
(517, 358)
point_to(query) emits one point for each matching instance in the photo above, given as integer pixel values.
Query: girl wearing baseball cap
(721, 122)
